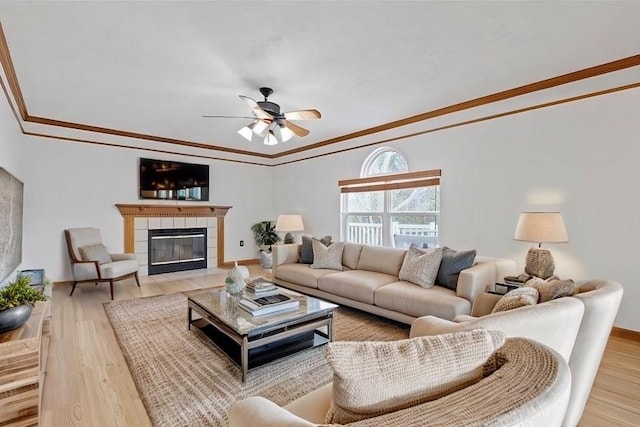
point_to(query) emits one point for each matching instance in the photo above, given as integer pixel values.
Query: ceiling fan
(269, 124)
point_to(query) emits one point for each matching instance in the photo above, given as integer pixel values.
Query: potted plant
(16, 302)
(266, 235)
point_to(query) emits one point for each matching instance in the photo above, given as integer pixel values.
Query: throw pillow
(552, 289)
(306, 250)
(421, 266)
(516, 298)
(327, 257)
(95, 253)
(453, 262)
(374, 378)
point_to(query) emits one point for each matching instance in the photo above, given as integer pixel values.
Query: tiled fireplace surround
(139, 219)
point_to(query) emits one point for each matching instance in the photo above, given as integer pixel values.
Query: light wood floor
(88, 382)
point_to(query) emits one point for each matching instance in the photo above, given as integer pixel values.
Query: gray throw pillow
(95, 253)
(306, 251)
(453, 262)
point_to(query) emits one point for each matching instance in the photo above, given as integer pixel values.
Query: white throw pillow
(420, 266)
(375, 378)
(95, 253)
(327, 256)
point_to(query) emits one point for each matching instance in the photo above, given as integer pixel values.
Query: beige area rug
(184, 380)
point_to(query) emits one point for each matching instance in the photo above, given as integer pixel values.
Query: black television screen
(166, 179)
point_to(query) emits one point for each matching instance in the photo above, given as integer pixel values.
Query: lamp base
(288, 239)
(539, 263)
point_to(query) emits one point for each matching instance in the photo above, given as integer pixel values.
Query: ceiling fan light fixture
(270, 139)
(246, 132)
(259, 127)
(285, 133)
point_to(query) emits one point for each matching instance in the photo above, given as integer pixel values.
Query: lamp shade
(541, 227)
(289, 223)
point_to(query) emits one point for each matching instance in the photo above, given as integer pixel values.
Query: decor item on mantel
(16, 303)
(540, 227)
(289, 223)
(266, 235)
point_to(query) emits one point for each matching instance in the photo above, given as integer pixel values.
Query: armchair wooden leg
(73, 287)
(137, 281)
(111, 287)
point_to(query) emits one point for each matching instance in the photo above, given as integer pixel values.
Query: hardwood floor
(88, 382)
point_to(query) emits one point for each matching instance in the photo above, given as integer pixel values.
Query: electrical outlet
(241, 242)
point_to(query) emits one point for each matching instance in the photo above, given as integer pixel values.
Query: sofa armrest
(475, 280)
(432, 325)
(122, 257)
(285, 254)
(258, 411)
(484, 303)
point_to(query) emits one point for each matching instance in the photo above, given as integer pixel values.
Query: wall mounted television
(170, 180)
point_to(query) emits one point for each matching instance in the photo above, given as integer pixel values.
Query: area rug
(182, 378)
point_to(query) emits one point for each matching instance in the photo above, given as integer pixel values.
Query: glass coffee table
(253, 341)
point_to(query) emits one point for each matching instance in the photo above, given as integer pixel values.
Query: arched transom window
(390, 206)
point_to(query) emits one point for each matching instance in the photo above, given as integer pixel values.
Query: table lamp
(540, 227)
(289, 223)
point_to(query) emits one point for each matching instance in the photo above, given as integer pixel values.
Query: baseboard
(65, 282)
(625, 333)
(241, 262)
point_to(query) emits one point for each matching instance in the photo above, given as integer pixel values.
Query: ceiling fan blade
(299, 131)
(255, 108)
(228, 117)
(302, 115)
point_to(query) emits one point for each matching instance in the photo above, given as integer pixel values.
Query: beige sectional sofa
(369, 282)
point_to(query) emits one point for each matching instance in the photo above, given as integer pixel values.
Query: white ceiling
(156, 67)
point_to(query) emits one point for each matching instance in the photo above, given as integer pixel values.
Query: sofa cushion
(453, 262)
(358, 285)
(374, 378)
(552, 289)
(117, 269)
(301, 274)
(420, 266)
(351, 255)
(96, 252)
(327, 256)
(516, 298)
(306, 249)
(381, 259)
(412, 300)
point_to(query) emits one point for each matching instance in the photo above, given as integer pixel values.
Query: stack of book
(268, 304)
(261, 288)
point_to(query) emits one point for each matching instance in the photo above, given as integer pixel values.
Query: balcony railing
(403, 234)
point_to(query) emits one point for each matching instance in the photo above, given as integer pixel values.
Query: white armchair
(94, 269)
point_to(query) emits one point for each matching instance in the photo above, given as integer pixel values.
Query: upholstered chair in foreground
(90, 261)
(577, 327)
(522, 383)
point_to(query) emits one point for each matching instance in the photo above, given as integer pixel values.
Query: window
(389, 206)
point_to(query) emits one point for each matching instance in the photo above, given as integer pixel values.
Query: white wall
(579, 158)
(74, 185)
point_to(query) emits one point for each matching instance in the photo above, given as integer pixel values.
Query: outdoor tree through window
(390, 206)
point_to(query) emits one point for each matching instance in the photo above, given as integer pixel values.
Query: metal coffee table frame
(262, 336)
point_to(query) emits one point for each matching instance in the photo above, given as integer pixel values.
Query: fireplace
(177, 249)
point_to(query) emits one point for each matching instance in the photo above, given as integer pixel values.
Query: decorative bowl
(15, 317)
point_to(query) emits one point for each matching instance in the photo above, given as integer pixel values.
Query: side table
(23, 354)
(502, 288)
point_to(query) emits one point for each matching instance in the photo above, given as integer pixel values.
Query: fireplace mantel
(131, 211)
(172, 210)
